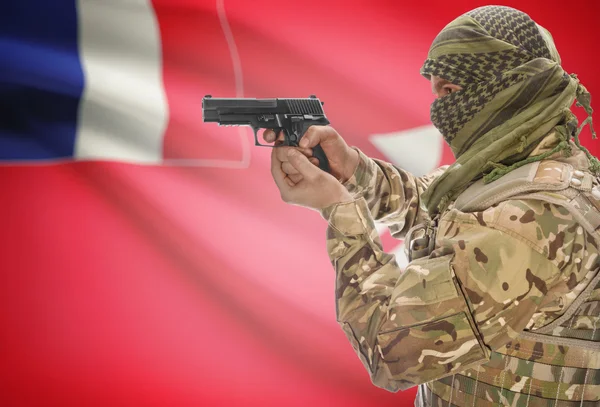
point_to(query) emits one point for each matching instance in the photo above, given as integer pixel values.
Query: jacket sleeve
(392, 194)
(444, 313)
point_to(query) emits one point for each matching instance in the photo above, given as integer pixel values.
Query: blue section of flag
(41, 79)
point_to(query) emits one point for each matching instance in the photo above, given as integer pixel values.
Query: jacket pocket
(429, 332)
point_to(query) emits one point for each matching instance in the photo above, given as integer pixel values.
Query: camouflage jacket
(512, 267)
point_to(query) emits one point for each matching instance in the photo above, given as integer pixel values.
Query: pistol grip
(320, 155)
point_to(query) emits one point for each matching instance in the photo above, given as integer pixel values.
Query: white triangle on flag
(417, 150)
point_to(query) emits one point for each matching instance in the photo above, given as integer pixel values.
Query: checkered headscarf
(514, 92)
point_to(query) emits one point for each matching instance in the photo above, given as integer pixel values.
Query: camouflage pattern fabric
(514, 92)
(395, 203)
(452, 322)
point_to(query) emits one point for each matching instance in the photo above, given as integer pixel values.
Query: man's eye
(448, 90)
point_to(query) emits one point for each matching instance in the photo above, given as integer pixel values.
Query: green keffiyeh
(514, 92)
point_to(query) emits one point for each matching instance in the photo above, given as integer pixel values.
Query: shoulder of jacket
(540, 176)
(543, 226)
(553, 192)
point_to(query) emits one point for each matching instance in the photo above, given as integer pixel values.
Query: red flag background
(193, 283)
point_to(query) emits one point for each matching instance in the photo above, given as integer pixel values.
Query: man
(500, 303)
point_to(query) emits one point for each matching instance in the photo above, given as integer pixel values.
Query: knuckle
(331, 132)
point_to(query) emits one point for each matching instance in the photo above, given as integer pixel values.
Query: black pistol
(293, 116)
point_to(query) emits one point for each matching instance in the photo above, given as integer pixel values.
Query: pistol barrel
(214, 109)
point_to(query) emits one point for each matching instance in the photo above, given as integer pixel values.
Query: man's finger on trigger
(269, 136)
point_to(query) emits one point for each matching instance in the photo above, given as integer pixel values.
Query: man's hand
(342, 159)
(316, 188)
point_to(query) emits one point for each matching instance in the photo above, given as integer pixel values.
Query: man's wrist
(364, 172)
(349, 218)
(353, 160)
(343, 197)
